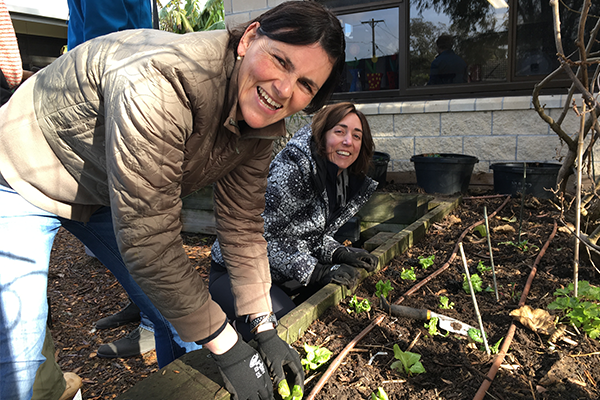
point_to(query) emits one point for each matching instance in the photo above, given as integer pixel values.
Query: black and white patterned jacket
(298, 226)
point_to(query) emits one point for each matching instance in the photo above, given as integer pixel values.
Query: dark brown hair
(303, 23)
(329, 117)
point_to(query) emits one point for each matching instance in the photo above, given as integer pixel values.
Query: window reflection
(371, 50)
(474, 38)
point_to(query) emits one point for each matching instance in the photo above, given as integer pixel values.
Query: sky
(48, 8)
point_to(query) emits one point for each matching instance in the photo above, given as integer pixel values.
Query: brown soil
(82, 290)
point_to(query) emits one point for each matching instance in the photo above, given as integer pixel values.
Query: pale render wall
(495, 129)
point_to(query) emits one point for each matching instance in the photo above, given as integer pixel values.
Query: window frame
(514, 85)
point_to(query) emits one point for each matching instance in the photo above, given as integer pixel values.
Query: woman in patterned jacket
(315, 185)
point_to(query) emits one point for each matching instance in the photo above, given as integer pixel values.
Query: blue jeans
(26, 236)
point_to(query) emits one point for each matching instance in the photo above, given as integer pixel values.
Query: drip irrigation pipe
(511, 331)
(454, 252)
(338, 360)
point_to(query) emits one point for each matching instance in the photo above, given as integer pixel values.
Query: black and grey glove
(342, 274)
(277, 355)
(358, 258)
(244, 372)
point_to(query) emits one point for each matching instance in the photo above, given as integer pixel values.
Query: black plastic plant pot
(539, 178)
(444, 173)
(379, 166)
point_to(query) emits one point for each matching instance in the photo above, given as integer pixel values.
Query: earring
(239, 58)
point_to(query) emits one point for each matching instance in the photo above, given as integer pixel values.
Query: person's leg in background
(98, 235)
(26, 237)
(138, 341)
(50, 382)
(220, 291)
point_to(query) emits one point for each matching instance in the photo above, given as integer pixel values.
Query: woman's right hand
(342, 274)
(358, 258)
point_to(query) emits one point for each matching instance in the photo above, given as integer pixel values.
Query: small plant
(359, 306)
(315, 357)
(408, 274)
(482, 268)
(426, 262)
(475, 281)
(445, 303)
(496, 348)
(475, 335)
(408, 362)
(432, 327)
(522, 245)
(380, 394)
(582, 311)
(383, 289)
(284, 391)
(481, 230)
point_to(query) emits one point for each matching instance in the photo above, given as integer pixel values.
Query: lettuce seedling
(582, 311)
(482, 268)
(445, 303)
(315, 357)
(475, 281)
(383, 289)
(475, 335)
(426, 262)
(284, 391)
(522, 245)
(379, 395)
(408, 362)
(408, 274)
(359, 306)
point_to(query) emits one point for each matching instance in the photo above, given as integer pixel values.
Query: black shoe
(139, 341)
(131, 313)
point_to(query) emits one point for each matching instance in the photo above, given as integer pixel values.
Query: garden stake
(487, 231)
(451, 258)
(464, 259)
(522, 202)
(511, 331)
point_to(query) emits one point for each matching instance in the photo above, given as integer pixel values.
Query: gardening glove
(342, 274)
(277, 355)
(358, 258)
(244, 372)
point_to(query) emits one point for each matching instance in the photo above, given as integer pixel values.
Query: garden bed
(454, 368)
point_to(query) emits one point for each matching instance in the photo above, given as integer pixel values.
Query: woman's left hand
(355, 257)
(277, 353)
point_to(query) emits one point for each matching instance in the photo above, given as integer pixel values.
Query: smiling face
(277, 79)
(343, 141)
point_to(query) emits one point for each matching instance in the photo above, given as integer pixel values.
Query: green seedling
(284, 391)
(432, 327)
(445, 303)
(380, 394)
(481, 230)
(383, 289)
(408, 362)
(582, 311)
(482, 268)
(475, 335)
(522, 245)
(475, 281)
(426, 262)
(359, 306)
(315, 357)
(408, 274)
(496, 348)
(511, 219)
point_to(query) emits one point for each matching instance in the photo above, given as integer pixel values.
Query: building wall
(498, 129)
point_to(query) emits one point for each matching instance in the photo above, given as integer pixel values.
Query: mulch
(82, 291)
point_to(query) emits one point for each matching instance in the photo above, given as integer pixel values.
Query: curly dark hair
(303, 23)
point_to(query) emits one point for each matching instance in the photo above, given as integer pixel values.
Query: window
(435, 49)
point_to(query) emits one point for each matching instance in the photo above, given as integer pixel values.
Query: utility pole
(372, 22)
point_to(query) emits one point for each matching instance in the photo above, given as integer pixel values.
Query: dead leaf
(537, 320)
(453, 219)
(503, 229)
